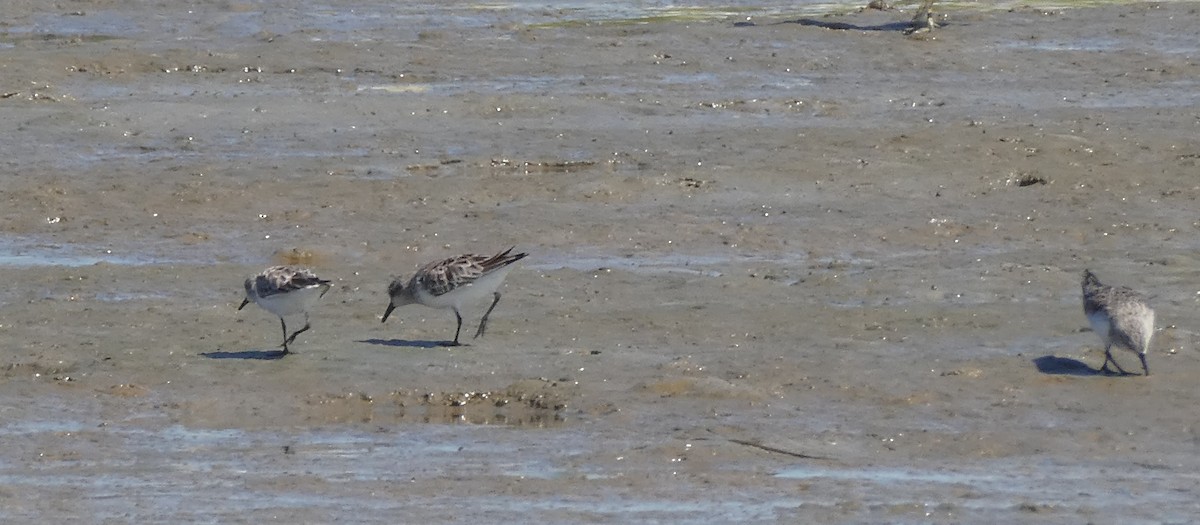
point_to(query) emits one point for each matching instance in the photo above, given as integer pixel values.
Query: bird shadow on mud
(1064, 366)
(404, 343)
(845, 26)
(839, 26)
(262, 355)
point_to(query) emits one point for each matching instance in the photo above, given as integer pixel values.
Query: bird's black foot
(484, 320)
(293, 336)
(1118, 372)
(1109, 359)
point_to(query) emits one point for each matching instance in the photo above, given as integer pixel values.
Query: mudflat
(782, 268)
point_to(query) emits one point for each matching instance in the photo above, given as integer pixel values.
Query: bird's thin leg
(483, 322)
(283, 325)
(1109, 358)
(1145, 367)
(457, 316)
(298, 332)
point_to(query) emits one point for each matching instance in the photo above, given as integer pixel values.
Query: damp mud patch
(533, 403)
(528, 402)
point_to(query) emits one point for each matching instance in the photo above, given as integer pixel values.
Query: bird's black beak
(244, 303)
(391, 306)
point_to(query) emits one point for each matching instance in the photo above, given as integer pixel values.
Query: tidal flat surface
(787, 263)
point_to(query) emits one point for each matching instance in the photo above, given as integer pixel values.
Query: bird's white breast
(290, 303)
(1100, 324)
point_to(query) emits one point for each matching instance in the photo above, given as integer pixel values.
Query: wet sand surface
(778, 272)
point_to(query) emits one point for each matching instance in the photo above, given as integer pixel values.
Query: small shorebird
(284, 290)
(452, 282)
(1120, 316)
(924, 21)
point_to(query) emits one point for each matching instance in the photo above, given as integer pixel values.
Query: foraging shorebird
(1120, 316)
(924, 21)
(452, 282)
(283, 291)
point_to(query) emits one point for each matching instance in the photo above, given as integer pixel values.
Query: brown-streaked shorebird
(1120, 316)
(450, 283)
(283, 291)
